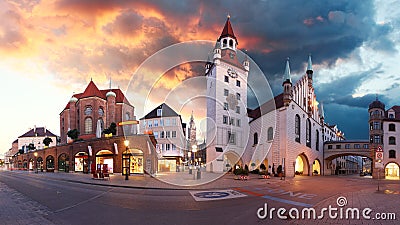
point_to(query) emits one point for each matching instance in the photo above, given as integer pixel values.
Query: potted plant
(111, 130)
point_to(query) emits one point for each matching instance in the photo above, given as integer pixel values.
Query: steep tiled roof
(92, 91)
(39, 132)
(266, 107)
(166, 112)
(228, 31)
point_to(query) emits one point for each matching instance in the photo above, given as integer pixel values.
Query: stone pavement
(18, 209)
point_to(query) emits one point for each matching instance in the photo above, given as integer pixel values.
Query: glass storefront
(132, 161)
(81, 162)
(167, 165)
(105, 157)
(392, 171)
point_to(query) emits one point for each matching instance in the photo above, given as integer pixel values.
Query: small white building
(36, 136)
(167, 127)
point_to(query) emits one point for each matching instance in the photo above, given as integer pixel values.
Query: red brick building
(94, 110)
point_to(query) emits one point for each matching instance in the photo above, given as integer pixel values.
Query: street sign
(379, 149)
(378, 156)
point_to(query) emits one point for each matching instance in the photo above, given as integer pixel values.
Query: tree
(73, 134)
(47, 141)
(112, 129)
(31, 147)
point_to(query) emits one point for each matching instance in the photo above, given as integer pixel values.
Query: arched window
(392, 127)
(88, 125)
(297, 128)
(392, 154)
(308, 133)
(88, 110)
(270, 133)
(392, 140)
(231, 43)
(224, 43)
(255, 141)
(317, 140)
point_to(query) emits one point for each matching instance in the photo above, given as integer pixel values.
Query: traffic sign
(378, 156)
(379, 149)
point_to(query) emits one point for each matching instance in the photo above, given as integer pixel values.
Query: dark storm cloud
(340, 90)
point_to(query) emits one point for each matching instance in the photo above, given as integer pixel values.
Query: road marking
(287, 201)
(215, 195)
(248, 192)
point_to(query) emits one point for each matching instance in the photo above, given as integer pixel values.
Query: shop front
(132, 162)
(39, 164)
(50, 163)
(81, 162)
(167, 165)
(105, 159)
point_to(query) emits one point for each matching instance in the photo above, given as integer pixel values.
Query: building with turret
(93, 110)
(287, 131)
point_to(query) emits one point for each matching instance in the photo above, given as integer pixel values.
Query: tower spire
(309, 71)
(286, 75)
(309, 66)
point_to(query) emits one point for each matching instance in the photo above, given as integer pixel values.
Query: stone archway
(302, 165)
(231, 159)
(392, 171)
(316, 167)
(63, 163)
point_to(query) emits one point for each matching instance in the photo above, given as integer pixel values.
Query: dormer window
(391, 115)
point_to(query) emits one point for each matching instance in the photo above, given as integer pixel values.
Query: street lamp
(126, 143)
(36, 169)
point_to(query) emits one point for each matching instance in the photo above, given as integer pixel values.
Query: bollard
(198, 174)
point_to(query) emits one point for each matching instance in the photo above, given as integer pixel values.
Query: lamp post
(36, 169)
(126, 143)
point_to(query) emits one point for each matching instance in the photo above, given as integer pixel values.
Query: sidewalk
(177, 181)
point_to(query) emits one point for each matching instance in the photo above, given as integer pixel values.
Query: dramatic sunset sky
(50, 49)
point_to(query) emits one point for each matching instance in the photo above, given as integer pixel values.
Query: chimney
(45, 130)
(34, 128)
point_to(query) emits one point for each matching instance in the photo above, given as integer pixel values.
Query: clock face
(232, 73)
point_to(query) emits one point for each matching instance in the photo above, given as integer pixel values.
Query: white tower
(227, 123)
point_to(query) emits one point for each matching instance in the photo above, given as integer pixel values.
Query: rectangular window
(159, 112)
(173, 147)
(329, 146)
(156, 134)
(226, 79)
(167, 147)
(338, 146)
(238, 122)
(173, 122)
(231, 138)
(155, 123)
(232, 121)
(238, 83)
(162, 134)
(366, 146)
(144, 123)
(174, 134)
(167, 122)
(377, 139)
(226, 92)
(238, 109)
(377, 125)
(224, 119)
(161, 122)
(357, 146)
(167, 134)
(226, 106)
(347, 146)
(238, 96)
(150, 123)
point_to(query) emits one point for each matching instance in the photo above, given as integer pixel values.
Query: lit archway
(230, 159)
(105, 161)
(392, 171)
(301, 165)
(316, 167)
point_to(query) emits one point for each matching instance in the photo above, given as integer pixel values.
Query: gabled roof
(228, 31)
(266, 107)
(396, 110)
(166, 112)
(92, 91)
(38, 132)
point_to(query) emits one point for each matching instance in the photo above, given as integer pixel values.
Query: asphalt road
(75, 203)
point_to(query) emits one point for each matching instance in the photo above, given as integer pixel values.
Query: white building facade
(167, 127)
